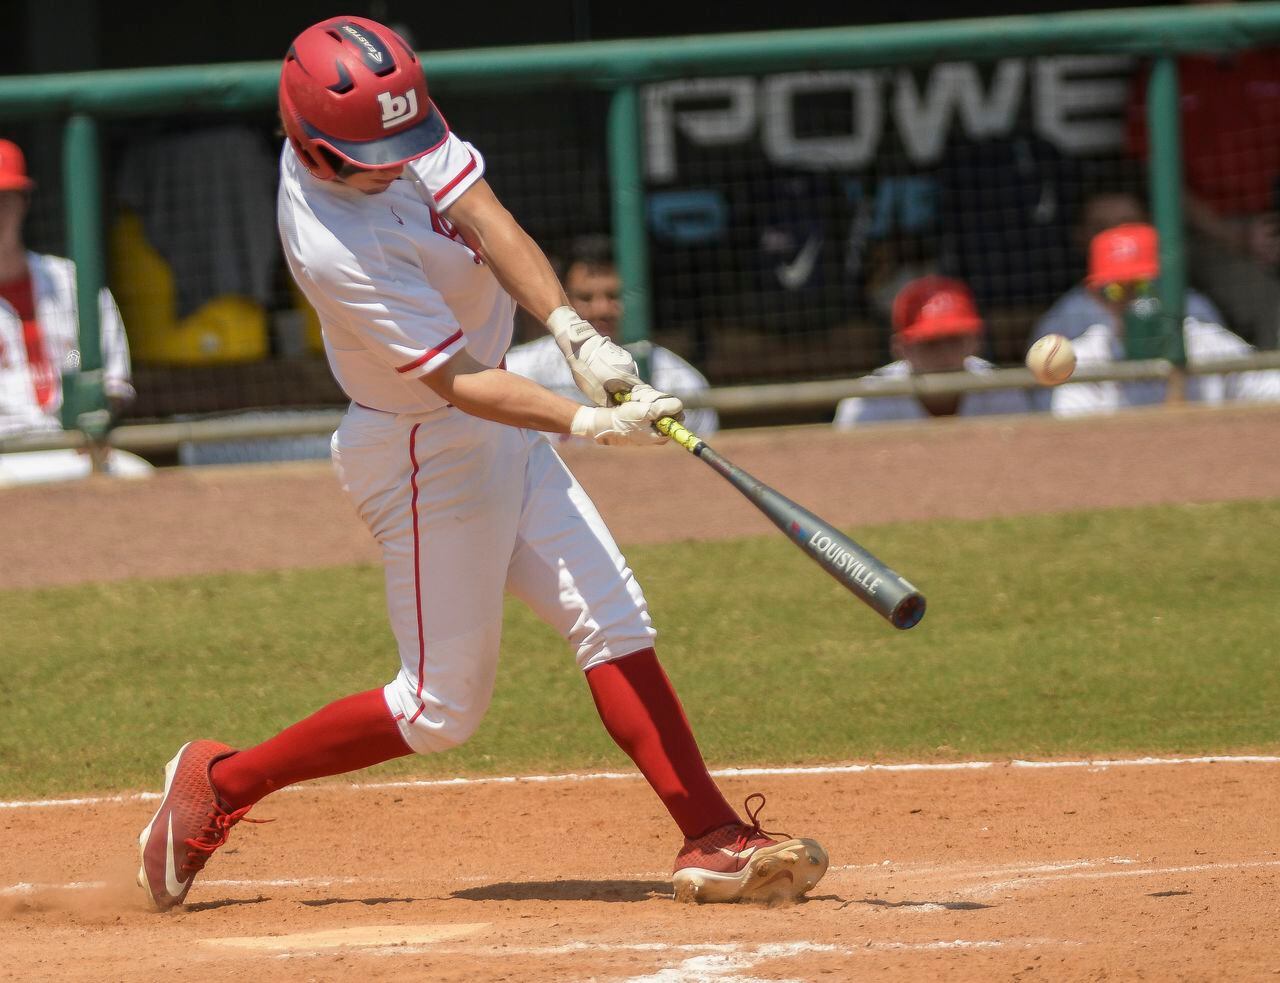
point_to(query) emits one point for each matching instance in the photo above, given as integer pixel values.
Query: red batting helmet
(355, 87)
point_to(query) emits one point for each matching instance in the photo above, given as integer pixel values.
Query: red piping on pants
(417, 568)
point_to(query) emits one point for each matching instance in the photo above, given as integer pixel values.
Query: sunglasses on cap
(1116, 292)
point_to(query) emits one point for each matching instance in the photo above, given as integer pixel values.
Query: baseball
(1051, 360)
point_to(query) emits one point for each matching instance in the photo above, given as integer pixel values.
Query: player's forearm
(511, 254)
(504, 397)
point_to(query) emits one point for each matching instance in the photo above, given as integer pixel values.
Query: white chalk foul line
(35, 887)
(965, 871)
(92, 800)
(1017, 763)
(31, 887)
(1235, 759)
(995, 887)
(742, 955)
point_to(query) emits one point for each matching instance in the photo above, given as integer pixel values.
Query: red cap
(1123, 254)
(13, 168)
(935, 307)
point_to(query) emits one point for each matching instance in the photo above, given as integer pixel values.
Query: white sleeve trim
(456, 186)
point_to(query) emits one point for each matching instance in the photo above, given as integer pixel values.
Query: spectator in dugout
(936, 328)
(39, 337)
(1123, 263)
(1081, 307)
(594, 289)
(1230, 120)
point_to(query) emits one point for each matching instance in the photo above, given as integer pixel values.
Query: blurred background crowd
(787, 212)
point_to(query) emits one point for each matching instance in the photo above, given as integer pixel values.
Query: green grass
(1136, 630)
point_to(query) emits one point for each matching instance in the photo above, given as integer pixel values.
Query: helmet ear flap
(307, 152)
(314, 162)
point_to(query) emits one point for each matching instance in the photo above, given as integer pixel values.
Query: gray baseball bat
(886, 592)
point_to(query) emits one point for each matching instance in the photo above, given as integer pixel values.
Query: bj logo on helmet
(397, 109)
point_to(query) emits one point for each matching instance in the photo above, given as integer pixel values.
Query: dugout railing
(621, 70)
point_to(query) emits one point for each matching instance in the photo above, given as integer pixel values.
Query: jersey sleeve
(447, 171)
(383, 297)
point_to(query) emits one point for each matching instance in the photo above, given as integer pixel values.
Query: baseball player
(416, 269)
(40, 336)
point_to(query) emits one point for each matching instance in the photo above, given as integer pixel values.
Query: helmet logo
(397, 109)
(374, 51)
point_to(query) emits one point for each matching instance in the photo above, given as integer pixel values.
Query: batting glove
(599, 367)
(630, 423)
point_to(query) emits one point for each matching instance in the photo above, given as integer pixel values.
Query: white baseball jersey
(543, 362)
(1205, 342)
(397, 290)
(53, 282)
(462, 507)
(858, 410)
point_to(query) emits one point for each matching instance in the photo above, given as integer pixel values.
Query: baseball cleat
(741, 862)
(189, 825)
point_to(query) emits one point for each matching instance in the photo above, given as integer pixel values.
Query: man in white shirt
(1123, 263)
(415, 269)
(594, 288)
(936, 328)
(40, 337)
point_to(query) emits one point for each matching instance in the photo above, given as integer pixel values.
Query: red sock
(643, 715)
(354, 732)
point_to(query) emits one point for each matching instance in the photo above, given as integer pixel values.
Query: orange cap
(13, 168)
(1123, 254)
(935, 307)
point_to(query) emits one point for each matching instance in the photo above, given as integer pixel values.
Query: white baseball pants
(464, 508)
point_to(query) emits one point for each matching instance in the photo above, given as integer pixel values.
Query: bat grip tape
(669, 426)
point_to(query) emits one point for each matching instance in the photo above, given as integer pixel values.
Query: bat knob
(908, 612)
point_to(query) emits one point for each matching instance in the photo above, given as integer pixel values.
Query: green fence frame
(621, 67)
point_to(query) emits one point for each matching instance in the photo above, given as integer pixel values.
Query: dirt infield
(1157, 872)
(1154, 871)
